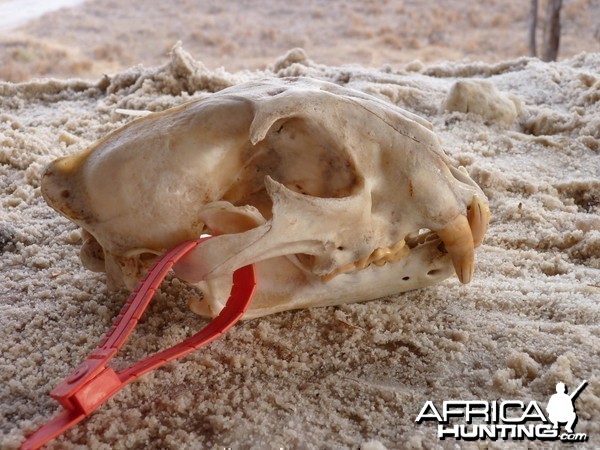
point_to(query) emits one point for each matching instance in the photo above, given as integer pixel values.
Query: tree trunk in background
(551, 31)
(532, 27)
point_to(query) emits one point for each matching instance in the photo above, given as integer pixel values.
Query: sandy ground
(342, 377)
(111, 35)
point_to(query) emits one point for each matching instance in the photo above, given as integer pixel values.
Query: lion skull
(335, 195)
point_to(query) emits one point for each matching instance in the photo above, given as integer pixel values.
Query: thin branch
(533, 19)
(552, 31)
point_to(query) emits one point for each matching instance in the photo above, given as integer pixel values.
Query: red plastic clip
(92, 383)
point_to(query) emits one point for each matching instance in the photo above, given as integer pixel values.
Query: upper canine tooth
(478, 215)
(458, 240)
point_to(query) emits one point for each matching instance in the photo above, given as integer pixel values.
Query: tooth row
(379, 257)
(460, 237)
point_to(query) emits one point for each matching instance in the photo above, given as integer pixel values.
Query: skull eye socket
(301, 155)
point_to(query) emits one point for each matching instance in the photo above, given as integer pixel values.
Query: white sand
(332, 377)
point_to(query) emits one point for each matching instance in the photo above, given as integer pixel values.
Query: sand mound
(76, 41)
(329, 377)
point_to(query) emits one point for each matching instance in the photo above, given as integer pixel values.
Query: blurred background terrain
(89, 38)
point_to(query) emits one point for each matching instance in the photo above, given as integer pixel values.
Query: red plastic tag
(92, 383)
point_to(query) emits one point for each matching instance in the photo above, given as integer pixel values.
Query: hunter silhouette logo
(560, 406)
(506, 419)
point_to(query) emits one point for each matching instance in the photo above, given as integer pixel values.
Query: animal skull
(324, 188)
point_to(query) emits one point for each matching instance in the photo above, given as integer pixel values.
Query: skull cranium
(335, 195)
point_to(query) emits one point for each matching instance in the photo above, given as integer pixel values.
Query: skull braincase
(335, 195)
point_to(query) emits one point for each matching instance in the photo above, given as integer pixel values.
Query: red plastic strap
(92, 383)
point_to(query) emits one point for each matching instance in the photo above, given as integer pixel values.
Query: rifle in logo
(560, 406)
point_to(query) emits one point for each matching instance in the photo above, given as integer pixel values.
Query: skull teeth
(458, 240)
(463, 234)
(460, 237)
(478, 215)
(379, 257)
